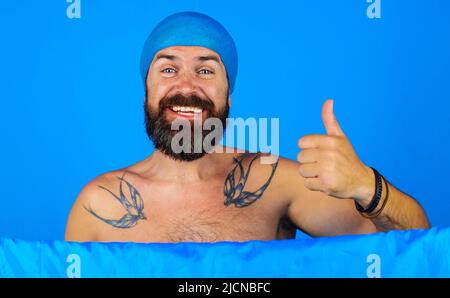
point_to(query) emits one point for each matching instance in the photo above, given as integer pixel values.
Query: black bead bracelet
(376, 197)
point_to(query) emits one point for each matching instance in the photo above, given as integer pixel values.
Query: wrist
(366, 190)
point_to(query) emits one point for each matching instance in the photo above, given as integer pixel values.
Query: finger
(329, 119)
(309, 170)
(316, 141)
(313, 184)
(308, 155)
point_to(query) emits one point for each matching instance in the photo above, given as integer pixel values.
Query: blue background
(71, 94)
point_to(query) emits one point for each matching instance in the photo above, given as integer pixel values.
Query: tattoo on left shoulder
(235, 193)
(134, 208)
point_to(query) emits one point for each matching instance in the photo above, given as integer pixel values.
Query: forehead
(187, 53)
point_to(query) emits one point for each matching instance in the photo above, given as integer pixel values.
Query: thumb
(329, 119)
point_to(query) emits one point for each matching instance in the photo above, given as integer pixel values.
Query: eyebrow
(209, 57)
(165, 56)
(199, 58)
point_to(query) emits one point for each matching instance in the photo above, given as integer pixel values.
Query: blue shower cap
(191, 29)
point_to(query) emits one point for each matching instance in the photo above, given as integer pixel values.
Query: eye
(205, 71)
(168, 70)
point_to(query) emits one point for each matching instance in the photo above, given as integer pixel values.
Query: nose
(186, 84)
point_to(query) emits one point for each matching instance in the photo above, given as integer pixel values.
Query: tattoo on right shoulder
(134, 207)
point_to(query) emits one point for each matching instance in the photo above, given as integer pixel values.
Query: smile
(186, 111)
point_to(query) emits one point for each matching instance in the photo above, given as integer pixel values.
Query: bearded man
(189, 66)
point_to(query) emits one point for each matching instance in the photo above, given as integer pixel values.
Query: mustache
(190, 100)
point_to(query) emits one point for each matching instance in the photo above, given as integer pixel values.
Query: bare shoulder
(287, 179)
(81, 225)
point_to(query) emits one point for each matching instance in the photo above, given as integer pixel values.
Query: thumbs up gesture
(329, 163)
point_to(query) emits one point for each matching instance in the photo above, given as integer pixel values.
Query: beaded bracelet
(376, 197)
(382, 205)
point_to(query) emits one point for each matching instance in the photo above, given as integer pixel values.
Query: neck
(161, 166)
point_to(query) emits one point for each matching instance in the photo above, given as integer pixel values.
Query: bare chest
(202, 214)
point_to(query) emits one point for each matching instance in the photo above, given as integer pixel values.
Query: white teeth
(187, 109)
(184, 114)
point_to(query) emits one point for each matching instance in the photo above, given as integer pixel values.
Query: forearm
(401, 212)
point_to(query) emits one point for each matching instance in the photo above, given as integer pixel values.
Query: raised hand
(330, 164)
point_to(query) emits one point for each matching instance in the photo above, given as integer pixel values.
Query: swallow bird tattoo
(235, 193)
(134, 207)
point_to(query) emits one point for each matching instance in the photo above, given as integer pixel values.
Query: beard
(160, 132)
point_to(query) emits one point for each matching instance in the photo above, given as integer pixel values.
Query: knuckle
(323, 180)
(333, 186)
(329, 182)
